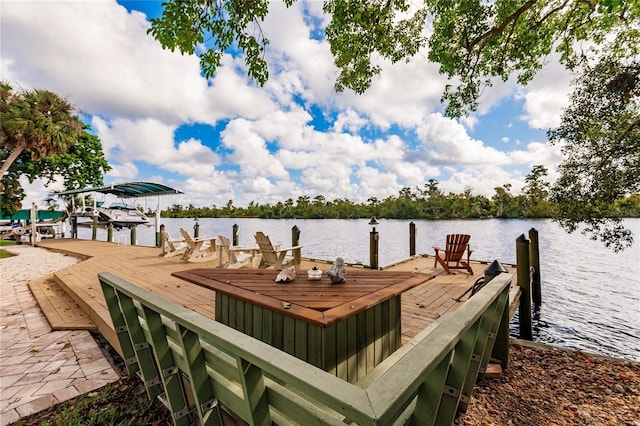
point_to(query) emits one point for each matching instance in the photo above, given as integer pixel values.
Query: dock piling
(110, 232)
(534, 260)
(158, 228)
(196, 228)
(94, 226)
(295, 241)
(524, 282)
(373, 244)
(412, 239)
(160, 240)
(134, 229)
(235, 234)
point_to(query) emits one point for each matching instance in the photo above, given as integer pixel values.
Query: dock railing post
(524, 311)
(501, 345)
(412, 239)
(534, 260)
(295, 241)
(235, 234)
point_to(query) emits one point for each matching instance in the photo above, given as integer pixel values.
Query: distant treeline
(417, 203)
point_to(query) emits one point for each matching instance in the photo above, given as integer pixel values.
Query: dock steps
(61, 311)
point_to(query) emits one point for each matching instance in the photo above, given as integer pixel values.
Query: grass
(124, 402)
(3, 253)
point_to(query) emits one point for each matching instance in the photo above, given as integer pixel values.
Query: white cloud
(151, 141)
(447, 142)
(123, 171)
(349, 121)
(546, 96)
(250, 150)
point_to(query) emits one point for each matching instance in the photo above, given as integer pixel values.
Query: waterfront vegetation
(428, 202)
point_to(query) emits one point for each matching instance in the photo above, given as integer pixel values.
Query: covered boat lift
(123, 190)
(32, 223)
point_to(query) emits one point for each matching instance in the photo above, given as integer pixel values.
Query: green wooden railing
(197, 364)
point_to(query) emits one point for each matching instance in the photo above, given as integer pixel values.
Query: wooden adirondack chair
(276, 257)
(171, 247)
(201, 249)
(236, 257)
(457, 244)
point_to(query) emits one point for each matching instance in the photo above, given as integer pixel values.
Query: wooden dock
(144, 266)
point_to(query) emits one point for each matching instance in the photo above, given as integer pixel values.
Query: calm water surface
(591, 295)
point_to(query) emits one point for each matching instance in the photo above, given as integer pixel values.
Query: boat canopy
(127, 190)
(25, 214)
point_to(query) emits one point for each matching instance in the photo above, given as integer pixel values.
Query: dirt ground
(549, 386)
(542, 386)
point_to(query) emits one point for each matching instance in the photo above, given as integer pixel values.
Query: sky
(226, 138)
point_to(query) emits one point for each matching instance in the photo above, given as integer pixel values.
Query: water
(590, 295)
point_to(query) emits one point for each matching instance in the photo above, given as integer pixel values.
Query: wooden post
(133, 235)
(373, 249)
(94, 226)
(524, 311)
(412, 239)
(501, 345)
(110, 232)
(161, 240)
(235, 234)
(34, 228)
(196, 228)
(534, 260)
(295, 241)
(74, 226)
(159, 228)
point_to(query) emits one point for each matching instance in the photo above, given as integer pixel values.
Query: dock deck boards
(62, 312)
(143, 266)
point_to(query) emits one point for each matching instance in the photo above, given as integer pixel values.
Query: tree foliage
(36, 121)
(600, 131)
(82, 165)
(427, 202)
(473, 41)
(219, 25)
(479, 41)
(41, 138)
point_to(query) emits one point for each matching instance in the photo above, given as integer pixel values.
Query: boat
(120, 215)
(117, 214)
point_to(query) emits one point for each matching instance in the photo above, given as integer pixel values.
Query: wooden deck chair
(276, 257)
(171, 247)
(457, 244)
(236, 257)
(201, 249)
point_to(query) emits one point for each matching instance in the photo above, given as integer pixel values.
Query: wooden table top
(315, 301)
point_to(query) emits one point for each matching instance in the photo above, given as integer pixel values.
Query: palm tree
(36, 121)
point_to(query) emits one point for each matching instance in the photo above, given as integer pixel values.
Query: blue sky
(226, 138)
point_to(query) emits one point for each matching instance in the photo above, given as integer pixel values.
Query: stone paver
(40, 367)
